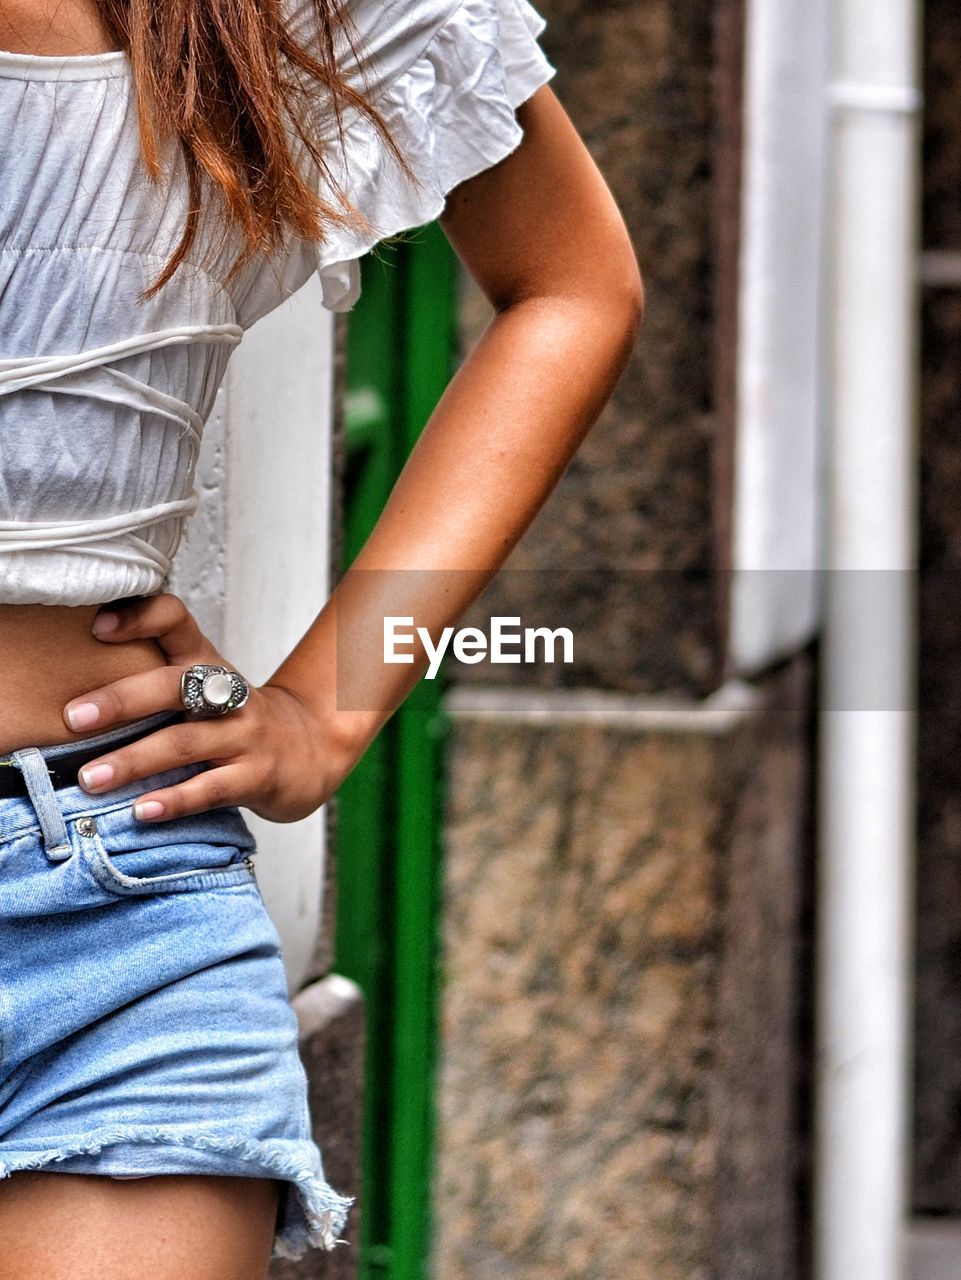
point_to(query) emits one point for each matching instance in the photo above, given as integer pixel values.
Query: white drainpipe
(867, 761)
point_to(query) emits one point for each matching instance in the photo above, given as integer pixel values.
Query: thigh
(170, 1227)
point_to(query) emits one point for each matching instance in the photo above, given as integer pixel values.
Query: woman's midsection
(49, 656)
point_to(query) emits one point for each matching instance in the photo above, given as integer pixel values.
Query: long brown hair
(227, 81)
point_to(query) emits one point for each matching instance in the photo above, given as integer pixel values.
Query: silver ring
(209, 690)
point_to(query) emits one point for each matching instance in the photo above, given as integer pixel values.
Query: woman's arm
(542, 236)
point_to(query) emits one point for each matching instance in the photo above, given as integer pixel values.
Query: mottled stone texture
(937, 1186)
(761, 1077)
(331, 1018)
(624, 1026)
(617, 1087)
(941, 193)
(637, 81)
(938, 1032)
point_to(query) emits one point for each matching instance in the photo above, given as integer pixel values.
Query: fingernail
(83, 715)
(96, 775)
(148, 809)
(105, 622)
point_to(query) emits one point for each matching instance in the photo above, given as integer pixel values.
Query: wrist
(340, 737)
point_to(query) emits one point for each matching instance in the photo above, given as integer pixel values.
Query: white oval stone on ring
(218, 689)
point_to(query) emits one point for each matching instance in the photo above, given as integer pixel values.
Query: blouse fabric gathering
(103, 398)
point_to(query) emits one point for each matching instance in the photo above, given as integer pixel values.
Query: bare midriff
(49, 656)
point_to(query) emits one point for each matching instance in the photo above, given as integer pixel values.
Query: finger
(164, 618)
(212, 789)
(168, 748)
(126, 699)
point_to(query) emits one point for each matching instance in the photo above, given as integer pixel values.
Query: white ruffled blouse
(103, 398)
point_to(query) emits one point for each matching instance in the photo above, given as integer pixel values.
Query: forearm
(501, 435)
(541, 235)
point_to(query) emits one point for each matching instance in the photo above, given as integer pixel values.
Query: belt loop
(36, 775)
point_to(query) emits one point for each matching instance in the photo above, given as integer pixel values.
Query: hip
(94, 904)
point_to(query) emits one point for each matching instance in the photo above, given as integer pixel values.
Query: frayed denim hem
(314, 1218)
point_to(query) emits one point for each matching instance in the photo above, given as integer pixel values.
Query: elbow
(618, 290)
(622, 301)
(630, 294)
(637, 294)
(606, 294)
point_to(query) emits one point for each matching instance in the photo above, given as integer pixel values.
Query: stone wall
(632, 518)
(938, 1030)
(625, 1017)
(619, 1079)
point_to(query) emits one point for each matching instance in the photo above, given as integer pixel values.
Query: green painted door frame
(400, 357)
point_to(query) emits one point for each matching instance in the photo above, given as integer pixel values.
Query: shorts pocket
(198, 851)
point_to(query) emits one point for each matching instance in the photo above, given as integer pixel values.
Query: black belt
(64, 768)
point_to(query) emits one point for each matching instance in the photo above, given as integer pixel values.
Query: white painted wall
(254, 563)
(777, 515)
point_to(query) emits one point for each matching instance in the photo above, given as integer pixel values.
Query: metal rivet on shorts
(87, 826)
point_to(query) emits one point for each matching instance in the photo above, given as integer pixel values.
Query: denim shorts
(145, 1025)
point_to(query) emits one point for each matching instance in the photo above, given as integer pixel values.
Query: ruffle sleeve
(447, 78)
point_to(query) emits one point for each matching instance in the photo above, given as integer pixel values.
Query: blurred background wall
(626, 1082)
(937, 1187)
(625, 1023)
